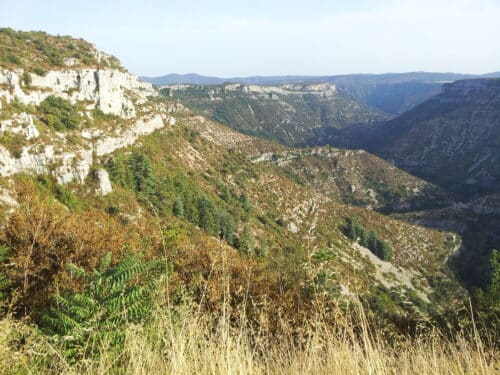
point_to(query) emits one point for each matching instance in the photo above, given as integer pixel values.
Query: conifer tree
(247, 242)
(178, 208)
(227, 228)
(206, 218)
(372, 241)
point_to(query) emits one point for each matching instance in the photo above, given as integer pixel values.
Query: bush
(14, 60)
(59, 113)
(39, 71)
(66, 197)
(26, 79)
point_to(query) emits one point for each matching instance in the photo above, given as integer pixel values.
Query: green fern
(111, 298)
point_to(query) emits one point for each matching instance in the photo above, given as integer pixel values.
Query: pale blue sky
(274, 37)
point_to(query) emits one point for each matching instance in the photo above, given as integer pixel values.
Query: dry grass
(193, 343)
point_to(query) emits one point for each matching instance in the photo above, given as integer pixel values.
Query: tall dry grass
(193, 342)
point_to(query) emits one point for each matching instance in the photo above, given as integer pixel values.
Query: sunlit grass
(193, 342)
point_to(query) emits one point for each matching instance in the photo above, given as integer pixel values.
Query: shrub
(247, 242)
(26, 78)
(14, 60)
(66, 197)
(39, 71)
(59, 113)
(43, 236)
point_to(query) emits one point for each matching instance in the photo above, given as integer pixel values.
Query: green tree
(353, 228)
(206, 218)
(120, 172)
(142, 174)
(227, 228)
(247, 242)
(245, 202)
(372, 242)
(178, 208)
(224, 192)
(383, 250)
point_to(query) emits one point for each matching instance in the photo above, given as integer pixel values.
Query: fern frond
(75, 270)
(105, 261)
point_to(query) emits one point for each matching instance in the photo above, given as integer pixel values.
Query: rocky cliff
(30, 145)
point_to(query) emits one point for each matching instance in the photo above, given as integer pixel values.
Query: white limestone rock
(21, 123)
(73, 166)
(108, 89)
(129, 136)
(102, 177)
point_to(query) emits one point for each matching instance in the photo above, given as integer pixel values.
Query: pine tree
(120, 173)
(363, 236)
(383, 250)
(227, 228)
(143, 178)
(206, 219)
(247, 242)
(245, 202)
(178, 208)
(372, 241)
(224, 192)
(353, 228)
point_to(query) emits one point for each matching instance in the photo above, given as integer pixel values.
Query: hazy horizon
(268, 38)
(314, 75)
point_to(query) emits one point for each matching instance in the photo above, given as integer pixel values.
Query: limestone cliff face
(112, 91)
(106, 88)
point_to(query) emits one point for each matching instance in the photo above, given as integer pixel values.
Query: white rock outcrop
(74, 166)
(21, 123)
(142, 127)
(111, 90)
(102, 177)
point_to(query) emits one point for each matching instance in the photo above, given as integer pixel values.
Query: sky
(276, 37)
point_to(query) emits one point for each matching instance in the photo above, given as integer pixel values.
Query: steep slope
(358, 178)
(452, 139)
(288, 216)
(114, 166)
(290, 114)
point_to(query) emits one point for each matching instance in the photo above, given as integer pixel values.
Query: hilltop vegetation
(39, 52)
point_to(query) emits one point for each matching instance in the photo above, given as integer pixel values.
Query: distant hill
(392, 93)
(293, 115)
